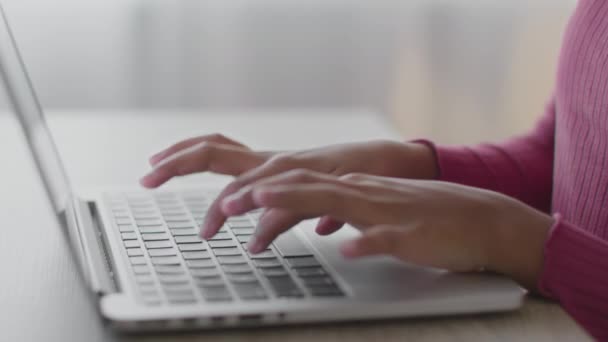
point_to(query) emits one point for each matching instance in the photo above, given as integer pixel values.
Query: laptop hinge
(94, 257)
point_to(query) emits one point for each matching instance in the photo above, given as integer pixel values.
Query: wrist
(418, 161)
(518, 240)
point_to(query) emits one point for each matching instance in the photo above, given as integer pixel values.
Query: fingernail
(349, 248)
(254, 245)
(155, 157)
(230, 204)
(145, 180)
(205, 234)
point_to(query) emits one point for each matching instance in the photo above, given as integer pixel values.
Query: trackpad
(383, 277)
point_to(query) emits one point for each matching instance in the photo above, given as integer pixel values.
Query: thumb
(377, 240)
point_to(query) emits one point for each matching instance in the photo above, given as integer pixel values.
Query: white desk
(43, 299)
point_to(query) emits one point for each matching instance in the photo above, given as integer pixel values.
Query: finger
(379, 240)
(318, 199)
(216, 217)
(272, 224)
(223, 159)
(327, 225)
(214, 138)
(242, 201)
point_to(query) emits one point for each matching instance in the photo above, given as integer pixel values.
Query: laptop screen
(25, 104)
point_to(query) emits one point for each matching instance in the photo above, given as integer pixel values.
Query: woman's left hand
(429, 223)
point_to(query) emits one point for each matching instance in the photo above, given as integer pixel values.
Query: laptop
(147, 269)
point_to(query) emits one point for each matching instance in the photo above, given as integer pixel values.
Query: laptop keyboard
(170, 264)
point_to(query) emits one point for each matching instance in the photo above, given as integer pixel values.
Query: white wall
(428, 62)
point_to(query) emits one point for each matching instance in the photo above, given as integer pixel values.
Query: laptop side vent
(103, 243)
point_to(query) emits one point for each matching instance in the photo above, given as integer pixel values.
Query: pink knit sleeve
(575, 272)
(521, 167)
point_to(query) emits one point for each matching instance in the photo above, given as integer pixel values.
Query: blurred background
(455, 70)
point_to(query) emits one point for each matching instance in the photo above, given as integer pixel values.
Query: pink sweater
(561, 167)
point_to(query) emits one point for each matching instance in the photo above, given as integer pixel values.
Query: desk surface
(43, 299)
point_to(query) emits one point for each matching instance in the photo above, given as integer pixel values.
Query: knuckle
(234, 186)
(216, 136)
(298, 174)
(353, 177)
(282, 161)
(205, 147)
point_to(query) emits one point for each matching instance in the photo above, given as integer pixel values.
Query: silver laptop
(141, 257)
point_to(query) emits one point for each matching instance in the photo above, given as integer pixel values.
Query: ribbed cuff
(458, 164)
(575, 263)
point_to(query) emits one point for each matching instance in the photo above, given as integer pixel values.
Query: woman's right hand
(219, 154)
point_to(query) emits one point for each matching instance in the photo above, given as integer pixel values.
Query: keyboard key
(251, 254)
(171, 206)
(317, 281)
(152, 229)
(243, 231)
(231, 259)
(126, 228)
(146, 215)
(169, 269)
(196, 255)
(274, 271)
(289, 244)
(267, 262)
(242, 278)
(310, 271)
(180, 224)
(188, 239)
(221, 236)
(141, 269)
(173, 212)
(142, 206)
(131, 243)
(162, 252)
(236, 219)
(135, 252)
(267, 254)
(210, 282)
(165, 260)
(207, 272)
(138, 260)
(222, 244)
(173, 279)
(192, 247)
(174, 219)
(227, 251)
(180, 297)
(200, 263)
(169, 215)
(250, 291)
(149, 222)
(123, 221)
(184, 231)
(155, 237)
(243, 238)
(284, 287)
(307, 261)
(216, 294)
(128, 236)
(139, 212)
(240, 268)
(158, 244)
(241, 224)
(326, 291)
(144, 279)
